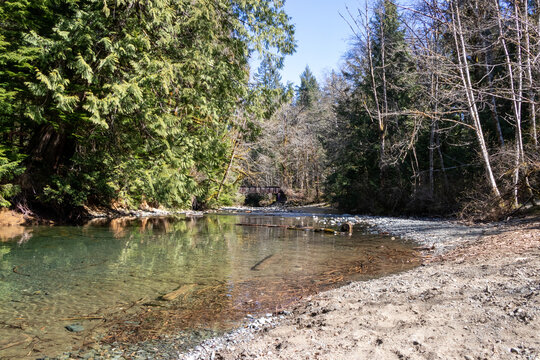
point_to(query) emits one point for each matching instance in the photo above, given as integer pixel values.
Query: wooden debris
(89, 265)
(184, 289)
(303, 228)
(254, 267)
(16, 271)
(330, 231)
(83, 318)
(7, 346)
(346, 227)
(425, 248)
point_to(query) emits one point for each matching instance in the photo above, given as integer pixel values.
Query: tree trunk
(380, 117)
(517, 94)
(464, 71)
(530, 84)
(233, 153)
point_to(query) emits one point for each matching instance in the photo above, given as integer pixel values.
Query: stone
(75, 328)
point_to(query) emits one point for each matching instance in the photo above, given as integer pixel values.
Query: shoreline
(478, 300)
(477, 296)
(438, 235)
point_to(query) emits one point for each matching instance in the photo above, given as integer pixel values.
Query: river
(109, 279)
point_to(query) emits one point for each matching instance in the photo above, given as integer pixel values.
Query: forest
(130, 103)
(434, 112)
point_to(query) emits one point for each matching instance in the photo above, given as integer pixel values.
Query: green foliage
(139, 97)
(268, 91)
(374, 155)
(308, 91)
(8, 170)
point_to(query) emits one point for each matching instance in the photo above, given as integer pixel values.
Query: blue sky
(322, 36)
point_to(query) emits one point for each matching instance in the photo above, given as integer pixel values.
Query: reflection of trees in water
(18, 233)
(287, 276)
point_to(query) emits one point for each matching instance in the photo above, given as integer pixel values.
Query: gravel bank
(441, 235)
(479, 301)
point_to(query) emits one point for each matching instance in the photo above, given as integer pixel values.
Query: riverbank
(479, 300)
(11, 225)
(438, 235)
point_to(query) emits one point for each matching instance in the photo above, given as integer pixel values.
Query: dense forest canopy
(129, 102)
(126, 100)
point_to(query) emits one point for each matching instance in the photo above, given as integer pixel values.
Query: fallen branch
(303, 228)
(265, 225)
(254, 267)
(90, 265)
(16, 271)
(83, 318)
(20, 342)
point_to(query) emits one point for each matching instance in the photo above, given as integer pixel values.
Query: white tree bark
(464, 71)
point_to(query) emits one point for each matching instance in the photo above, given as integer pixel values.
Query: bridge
(259, 190)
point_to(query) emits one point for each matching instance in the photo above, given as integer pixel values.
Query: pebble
(75, 328)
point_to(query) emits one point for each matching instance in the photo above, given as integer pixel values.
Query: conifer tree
(308, 92)
(130, 101)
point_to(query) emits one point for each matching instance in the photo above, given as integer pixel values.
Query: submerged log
(254, 267)
(178, 292)
(303, 228)
(330, 231)
(16, 271)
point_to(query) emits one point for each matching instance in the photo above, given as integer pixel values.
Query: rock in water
(346, 227)
(75, 328)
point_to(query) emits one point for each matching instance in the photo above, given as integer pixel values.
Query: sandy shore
(478, 299)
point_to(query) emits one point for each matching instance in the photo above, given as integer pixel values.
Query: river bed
(108, 280)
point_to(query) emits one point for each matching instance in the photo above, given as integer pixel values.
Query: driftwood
(83, 318)
(425, 248)
(346, 227)
(288, 227)
(16, 271)
(264, 225)
(7, 346)
(254, 267)
(176, 293)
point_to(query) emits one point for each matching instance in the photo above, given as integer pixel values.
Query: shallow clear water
(117, 270)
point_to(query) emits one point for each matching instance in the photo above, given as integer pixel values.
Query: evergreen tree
(129, 101)
(271, 92)
(379, 72)
(308, 92)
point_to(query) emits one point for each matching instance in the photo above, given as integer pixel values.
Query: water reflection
(119, 269)
(18, 233)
